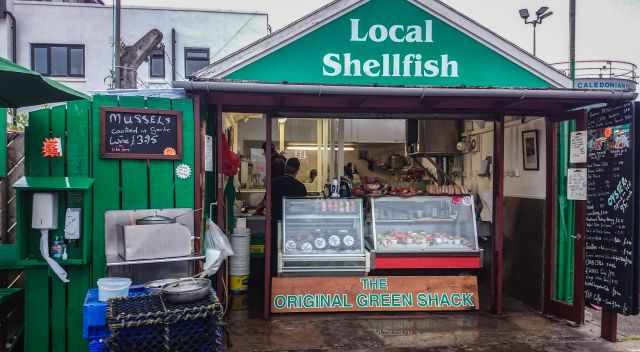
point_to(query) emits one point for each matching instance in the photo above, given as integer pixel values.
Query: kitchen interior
(399, 158)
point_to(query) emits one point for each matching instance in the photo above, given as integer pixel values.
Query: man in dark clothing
(281, 187)
(286, 186)
(277, 161)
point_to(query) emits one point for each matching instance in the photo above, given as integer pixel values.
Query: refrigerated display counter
(424, 232)
(322, 236)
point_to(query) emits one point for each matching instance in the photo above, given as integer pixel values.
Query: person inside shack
(281, 187)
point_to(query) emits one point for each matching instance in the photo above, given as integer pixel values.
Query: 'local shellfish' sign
(391, 64)
(383, 42)
(370, 294)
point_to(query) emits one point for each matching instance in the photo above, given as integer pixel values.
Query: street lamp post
(541, 14)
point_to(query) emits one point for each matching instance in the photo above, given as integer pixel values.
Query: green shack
(418, 64)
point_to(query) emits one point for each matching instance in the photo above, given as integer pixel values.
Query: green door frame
(565, 220)
(559, 305)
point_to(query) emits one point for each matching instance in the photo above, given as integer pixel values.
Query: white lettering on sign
(390, 65)
(397, 33)
(411, 65)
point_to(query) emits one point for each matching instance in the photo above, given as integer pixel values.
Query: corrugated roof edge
(171, 93)
(137, 7)
(378, 90)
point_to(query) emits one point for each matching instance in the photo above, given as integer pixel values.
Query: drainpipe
(117, 40)
(14, 35)
(173, 54)
(572, 41)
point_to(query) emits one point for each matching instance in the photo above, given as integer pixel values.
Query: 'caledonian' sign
(388, 64)
(370, 294)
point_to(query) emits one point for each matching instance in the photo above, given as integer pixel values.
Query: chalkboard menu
(612, 237)
(140, 134)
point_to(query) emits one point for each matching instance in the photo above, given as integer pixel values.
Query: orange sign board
(374, 294)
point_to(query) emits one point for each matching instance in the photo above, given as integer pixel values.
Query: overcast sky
(606, 29)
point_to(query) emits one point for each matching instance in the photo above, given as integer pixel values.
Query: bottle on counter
(56, 248)
(65, 256)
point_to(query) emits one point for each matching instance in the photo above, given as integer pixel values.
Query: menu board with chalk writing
(128, 133)
(611, 278)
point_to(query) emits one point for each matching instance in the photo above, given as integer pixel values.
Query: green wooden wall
(138, 184)
(3, 142)
(53, 311)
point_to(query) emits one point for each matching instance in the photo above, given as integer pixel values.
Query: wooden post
(219, 155)
(498, 215)
(268, 235)
(199, 176)
(222, 273)
(580, 240)
(552, 168)
(609, 325)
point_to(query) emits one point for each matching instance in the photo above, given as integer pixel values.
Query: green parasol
(20, 87)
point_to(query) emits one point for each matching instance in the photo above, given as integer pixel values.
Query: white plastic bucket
(113, 287)
(240, 262)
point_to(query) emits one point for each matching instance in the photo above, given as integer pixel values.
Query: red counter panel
(424, 262)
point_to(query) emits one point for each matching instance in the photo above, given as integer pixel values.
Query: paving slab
(516, 331)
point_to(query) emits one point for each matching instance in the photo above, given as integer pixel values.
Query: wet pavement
(518, 330)
(628, 327)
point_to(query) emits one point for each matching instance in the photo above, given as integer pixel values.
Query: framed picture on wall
(530, 153)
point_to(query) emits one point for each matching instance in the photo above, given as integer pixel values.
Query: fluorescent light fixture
(315, 148)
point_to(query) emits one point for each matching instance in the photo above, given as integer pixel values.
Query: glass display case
(425, 224)
(322, 235)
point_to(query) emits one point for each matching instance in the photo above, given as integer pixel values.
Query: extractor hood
(432, 137)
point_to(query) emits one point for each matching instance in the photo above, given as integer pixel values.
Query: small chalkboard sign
(140, 134)
(611, 278)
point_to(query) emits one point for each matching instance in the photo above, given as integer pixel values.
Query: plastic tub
(113, 287)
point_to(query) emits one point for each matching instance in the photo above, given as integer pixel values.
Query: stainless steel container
(146, 242)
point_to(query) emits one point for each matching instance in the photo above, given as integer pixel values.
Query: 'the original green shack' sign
(368, 294)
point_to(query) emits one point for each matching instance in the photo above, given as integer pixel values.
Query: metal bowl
(155, 287)
(186, 290)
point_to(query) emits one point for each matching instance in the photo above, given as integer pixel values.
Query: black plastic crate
(148, 323)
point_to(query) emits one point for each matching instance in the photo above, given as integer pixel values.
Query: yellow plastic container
(239, 283)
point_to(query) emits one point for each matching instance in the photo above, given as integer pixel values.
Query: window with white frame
(58, 60)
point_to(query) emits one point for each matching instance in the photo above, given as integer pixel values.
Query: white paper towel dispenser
(44, 217)
(45, 211)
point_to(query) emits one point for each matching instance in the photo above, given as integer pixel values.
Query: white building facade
(73, 42)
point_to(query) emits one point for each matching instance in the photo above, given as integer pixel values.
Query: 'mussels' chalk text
(390, 65)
